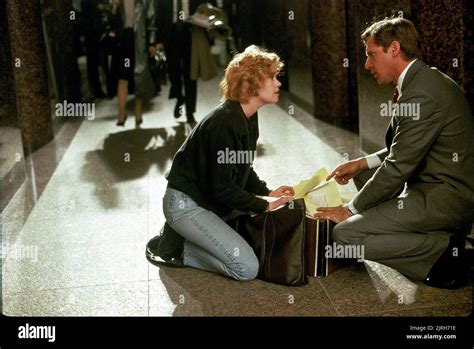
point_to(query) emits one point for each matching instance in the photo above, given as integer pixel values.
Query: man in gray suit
(416, 196)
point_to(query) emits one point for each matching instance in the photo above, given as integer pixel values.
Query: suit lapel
(418, 65)
(389, 134)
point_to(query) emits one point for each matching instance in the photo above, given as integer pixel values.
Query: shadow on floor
(128, 156)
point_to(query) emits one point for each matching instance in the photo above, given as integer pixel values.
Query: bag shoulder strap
(263, 246)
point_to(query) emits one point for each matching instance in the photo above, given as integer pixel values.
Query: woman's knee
(245, 269)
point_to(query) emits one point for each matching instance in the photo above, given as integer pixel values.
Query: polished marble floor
(93, 199)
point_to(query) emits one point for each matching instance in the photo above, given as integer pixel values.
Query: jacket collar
(415, 67)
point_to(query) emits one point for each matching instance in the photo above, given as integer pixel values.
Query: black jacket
(203, 169)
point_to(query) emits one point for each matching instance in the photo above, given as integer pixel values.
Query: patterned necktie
(390, 128)
(395, 95)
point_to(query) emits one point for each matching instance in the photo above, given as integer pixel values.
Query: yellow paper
(325, 195)
(317, 192)
(303, 187)
(346, 197)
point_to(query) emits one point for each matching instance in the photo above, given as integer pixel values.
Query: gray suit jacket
(429, 157)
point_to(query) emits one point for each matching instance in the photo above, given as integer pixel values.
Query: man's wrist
(364, 164)
(372, 161)
(350, 206)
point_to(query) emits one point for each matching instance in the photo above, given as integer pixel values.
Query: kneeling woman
(212, 175)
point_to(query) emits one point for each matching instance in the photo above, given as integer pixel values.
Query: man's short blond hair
(246, 72)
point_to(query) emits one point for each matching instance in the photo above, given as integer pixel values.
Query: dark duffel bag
(278, 239)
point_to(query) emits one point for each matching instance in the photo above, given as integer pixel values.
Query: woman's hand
(343, 173)
(281, 201)
(284, 190)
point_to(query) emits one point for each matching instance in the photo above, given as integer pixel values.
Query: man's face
(379, 63)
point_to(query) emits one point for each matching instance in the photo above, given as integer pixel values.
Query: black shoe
(153, 255)
(177, 109)
(166, 249)
(138, 122)
(445, 282)
(121, 123)
(451, 269)
(190, 119)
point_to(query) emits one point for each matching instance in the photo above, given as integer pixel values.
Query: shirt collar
(402, 76)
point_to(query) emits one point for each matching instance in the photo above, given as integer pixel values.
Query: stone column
(331, 61)
(30, 80)
(446, 39)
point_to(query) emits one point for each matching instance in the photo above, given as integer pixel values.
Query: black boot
(451, 269)
(190, 119)
(166, 249)
(178, 108)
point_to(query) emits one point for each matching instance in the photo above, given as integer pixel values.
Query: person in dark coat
(174, 36)
(93, 27)
(137, 31)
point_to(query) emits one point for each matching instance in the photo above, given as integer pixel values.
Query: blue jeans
(210, 243)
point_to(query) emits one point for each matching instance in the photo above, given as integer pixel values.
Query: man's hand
(281, 201)
(343, 173)
(335, 214)
(284, 190)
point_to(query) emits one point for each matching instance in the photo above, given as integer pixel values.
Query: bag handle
(263, 246)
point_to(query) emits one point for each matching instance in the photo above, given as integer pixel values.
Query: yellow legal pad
(316, 192)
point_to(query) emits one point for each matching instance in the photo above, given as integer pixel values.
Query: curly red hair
(247, 70)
